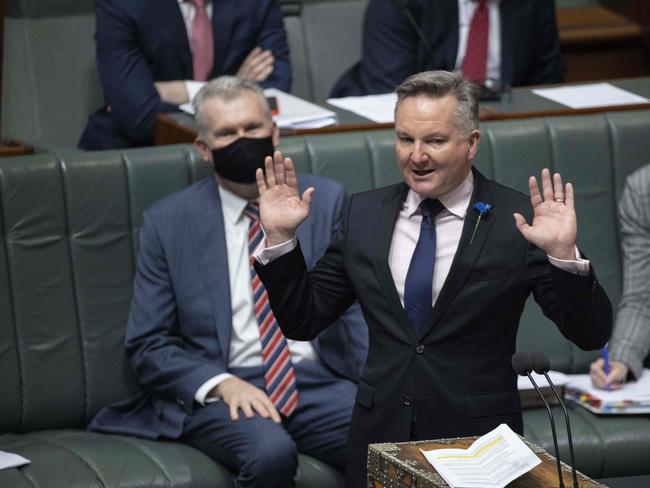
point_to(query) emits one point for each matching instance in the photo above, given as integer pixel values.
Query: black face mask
(238, 161)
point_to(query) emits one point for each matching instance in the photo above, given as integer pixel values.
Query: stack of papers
(378, 108)
(590, 95)
(293, 112)
(492, 461)
(558, 378)
(633, 398)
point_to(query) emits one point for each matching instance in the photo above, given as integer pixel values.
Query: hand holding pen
(607, 374)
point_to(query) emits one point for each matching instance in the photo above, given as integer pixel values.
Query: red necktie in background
(475, 61)
(279, 375)
(202, 42)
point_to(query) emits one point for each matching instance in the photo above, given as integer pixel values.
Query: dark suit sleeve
(153, 341)
(272, 36)
(547, 64)
(389, 48)
(125, 74)
(577, 304)
(306, 303)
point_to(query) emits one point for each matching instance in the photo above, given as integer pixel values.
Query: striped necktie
(475, 62)
(279, 375)
(202, 42)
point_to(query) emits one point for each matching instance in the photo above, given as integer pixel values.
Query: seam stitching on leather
(75, 300)
(145, 453)
(30, 480)
(12, 301)
(93, 469)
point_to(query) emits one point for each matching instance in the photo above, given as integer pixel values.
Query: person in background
(217, 372)
(496, 43)
(630, 343)
(151, 53)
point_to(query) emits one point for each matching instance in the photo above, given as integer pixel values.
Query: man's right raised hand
(282, 209)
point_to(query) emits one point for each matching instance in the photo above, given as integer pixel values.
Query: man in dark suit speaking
(441, 270)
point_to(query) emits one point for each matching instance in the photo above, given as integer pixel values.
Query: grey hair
(437, 84)
(226, 88)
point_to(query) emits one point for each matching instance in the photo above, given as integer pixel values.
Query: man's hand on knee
(240, 394)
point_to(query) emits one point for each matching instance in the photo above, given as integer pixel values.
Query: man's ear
(203, 149)
(474, 138)
(275, 134)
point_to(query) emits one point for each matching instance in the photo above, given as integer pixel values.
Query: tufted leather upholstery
(68, 239)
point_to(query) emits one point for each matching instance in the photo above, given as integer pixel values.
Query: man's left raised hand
(554, 226)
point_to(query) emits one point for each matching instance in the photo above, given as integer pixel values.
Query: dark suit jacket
(456, 379)
(180, 321)
(392, 50)
(143, 41)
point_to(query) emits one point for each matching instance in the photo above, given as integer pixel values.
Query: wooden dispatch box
(402, 465)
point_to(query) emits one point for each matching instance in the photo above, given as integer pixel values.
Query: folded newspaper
(492, 461)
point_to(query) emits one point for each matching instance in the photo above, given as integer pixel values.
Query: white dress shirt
(188, 10)
(449, 227)
(245, 345)
(466, 9)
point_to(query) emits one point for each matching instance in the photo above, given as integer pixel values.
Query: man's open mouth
(423, 172)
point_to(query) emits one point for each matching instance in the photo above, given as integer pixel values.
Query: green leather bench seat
(68, 241)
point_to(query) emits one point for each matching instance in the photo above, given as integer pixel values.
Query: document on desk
(378, 108)
(633, 398)
(11, 460)
(293, 112)
(492, 461)
(590, 95)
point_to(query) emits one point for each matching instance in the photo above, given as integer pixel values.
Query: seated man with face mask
(217, 372)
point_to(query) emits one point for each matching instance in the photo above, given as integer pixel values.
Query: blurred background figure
(630, 343)
(498, 43)
(148, 53)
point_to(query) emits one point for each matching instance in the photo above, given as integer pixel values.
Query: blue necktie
(418, 288)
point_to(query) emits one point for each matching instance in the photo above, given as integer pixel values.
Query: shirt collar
(232, 205)
(455, 202)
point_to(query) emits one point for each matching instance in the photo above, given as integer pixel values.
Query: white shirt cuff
(205, 388)
(264, 255)
(578, 266)
(193, 88)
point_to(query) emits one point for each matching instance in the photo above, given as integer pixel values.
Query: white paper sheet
(590, 95)
(11, 460)
(492, 461)
(557, 377)
(378, 108)
(633, 398)
(293, 112)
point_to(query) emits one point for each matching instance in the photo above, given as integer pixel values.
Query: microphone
(404, 5)
(522, 365)
(541, 365)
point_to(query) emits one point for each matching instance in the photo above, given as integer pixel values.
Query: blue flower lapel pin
(482, 208)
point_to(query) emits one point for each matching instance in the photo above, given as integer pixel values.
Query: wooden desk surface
(402, 464)
(519, 103)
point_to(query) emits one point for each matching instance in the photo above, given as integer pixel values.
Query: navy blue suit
(179, 329)
(392, 50)
(140, 42)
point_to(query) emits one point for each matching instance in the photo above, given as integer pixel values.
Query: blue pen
(606, 362)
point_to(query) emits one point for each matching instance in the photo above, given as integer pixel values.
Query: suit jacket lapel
(206, 232)
(380, 232)
(223, 15)
(171, 21)
(466, 254)
(509, 28)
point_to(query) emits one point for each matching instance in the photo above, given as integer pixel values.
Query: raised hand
(554, 226)
(282, 209)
